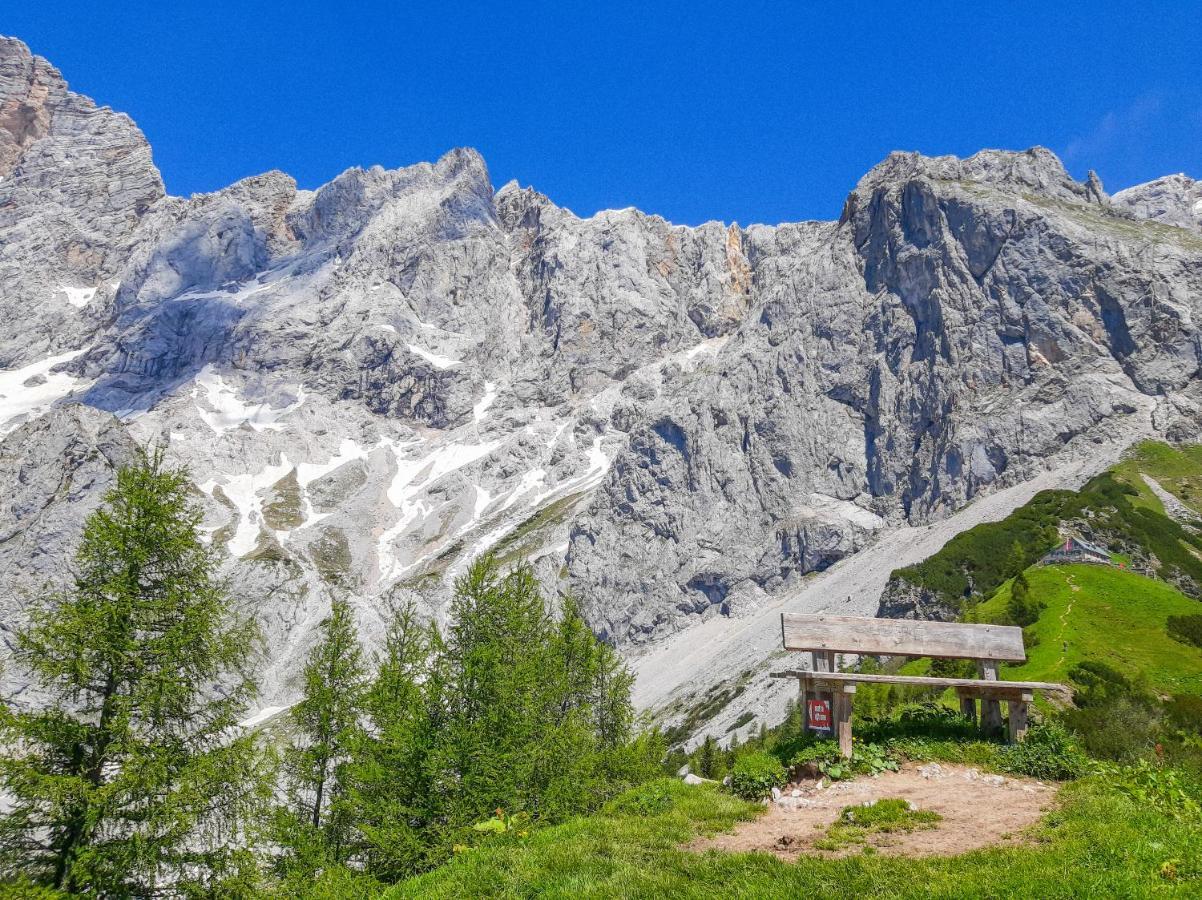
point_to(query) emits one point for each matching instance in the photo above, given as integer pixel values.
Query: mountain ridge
(374, 380)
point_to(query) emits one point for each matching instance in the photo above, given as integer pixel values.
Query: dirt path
(978, 810)
(1073, 588)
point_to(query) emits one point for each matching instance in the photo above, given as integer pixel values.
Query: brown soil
(977, 811)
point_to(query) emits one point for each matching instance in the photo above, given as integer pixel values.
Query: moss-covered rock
(284, 507)
(331, 555)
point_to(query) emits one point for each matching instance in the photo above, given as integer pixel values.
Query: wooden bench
(828, 694)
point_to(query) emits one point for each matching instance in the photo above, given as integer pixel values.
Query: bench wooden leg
(991, 716)
(822, 661)
(1018, 719)
(968, 708)
(991, 710)
(843, 712)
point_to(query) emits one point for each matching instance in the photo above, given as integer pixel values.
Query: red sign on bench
(819, 714)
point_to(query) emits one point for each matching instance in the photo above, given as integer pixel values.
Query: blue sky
(738, 111)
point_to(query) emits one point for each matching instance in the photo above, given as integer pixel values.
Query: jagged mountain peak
(1036, 169)
(376, 380)
(1171, 200)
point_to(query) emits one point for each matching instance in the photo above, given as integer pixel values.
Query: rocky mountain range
(375, 381)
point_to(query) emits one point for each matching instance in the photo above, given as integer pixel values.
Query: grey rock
(75, 181)
(378, 380)
(1172, 200)
(902, 599)
(54, 471)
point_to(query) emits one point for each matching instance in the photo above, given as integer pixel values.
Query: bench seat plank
(902, 637)
(923, 680)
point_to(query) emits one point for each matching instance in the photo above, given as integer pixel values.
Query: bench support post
(991, 710)
(838, 696)
(843, 713)
(1018, 718)
(823, 661)
(968, 707)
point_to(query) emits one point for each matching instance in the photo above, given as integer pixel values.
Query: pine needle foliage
(317, 823)
(516, 709)
(134, 772)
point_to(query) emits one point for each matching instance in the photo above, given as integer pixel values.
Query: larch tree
(130, 771)
(396, 809)
(318, 823)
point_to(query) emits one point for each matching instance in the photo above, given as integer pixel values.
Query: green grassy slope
(1177, 469)
(1114, 616)
(1097, 845)
(1119, 506)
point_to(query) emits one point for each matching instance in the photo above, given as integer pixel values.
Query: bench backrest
(902, 637)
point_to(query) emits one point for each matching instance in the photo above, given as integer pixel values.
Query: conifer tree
(317, 826)
(133, 772)
(707, 762)
(1022, 609)
(514, 709)
(538, 712)
(495, 651)
(395, 808)
(1018, 559)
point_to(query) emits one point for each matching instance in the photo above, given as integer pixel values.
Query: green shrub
(502, 828)
(1098, 682)
(1048, 752)
(980, 753)
(926, 720)
(1187, 629)
(1120, 729)
(1168, 790)
(756, 774)
(1185, 711)
(866, 759)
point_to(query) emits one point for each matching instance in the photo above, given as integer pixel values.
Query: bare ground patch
(978, 810)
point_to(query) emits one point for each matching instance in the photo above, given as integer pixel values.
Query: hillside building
(1076, 550)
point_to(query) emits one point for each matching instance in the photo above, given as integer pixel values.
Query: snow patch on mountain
(435, 359)
(244, 492)
(224, 410)
(77, 296)
(27, 392)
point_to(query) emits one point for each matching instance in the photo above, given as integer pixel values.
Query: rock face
(75, 182)
(54, 471)
(904, 600)
(375, 381)
(1172, 200)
